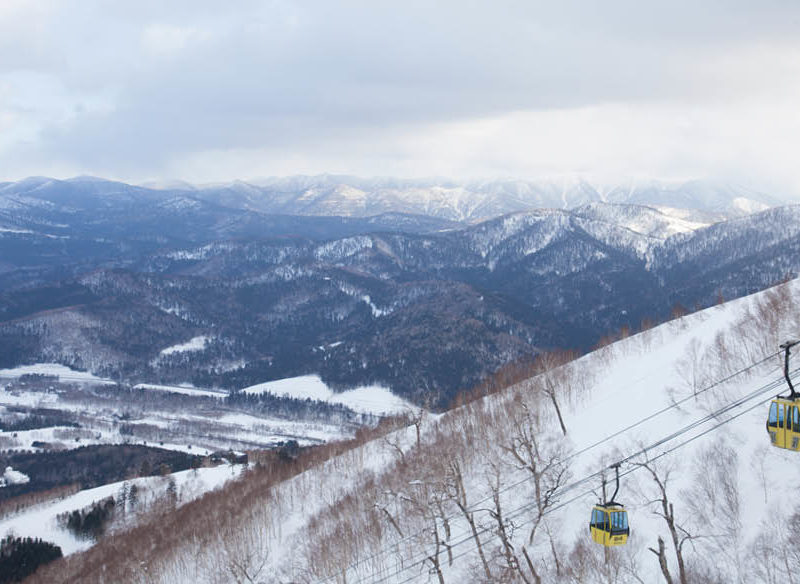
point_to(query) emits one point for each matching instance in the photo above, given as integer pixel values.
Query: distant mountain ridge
(475, 200)
(346, 196)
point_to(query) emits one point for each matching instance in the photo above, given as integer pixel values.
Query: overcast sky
(212, 91)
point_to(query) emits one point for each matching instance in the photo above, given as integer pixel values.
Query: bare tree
(245, 552)
(678, 534)
(383, 507)
(393, 442)
(555, 375)
(589, 563)
(714, 506)
(458, 494)
(550, 390)
(505, 532)
(416, 417)
(531, 451)
(530, 446)
(771, 562)
(427, 503)
(691, 366)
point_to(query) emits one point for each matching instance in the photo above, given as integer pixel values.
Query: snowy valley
(496, 490)
(392, 398)
(414, 304)
(399, 293)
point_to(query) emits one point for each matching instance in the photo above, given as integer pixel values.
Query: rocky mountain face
(103, 281)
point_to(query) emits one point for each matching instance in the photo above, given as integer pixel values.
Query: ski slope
(628, 382)
(688, 398)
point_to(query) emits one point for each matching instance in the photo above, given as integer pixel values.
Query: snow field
(63, 372)
(13, 477)
(608, 390)
(373, 399)
(41, 520)
(338, 516)
(193, 344)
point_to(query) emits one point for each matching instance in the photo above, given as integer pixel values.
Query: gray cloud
(137, 89)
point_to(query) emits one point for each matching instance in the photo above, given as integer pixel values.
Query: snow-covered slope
(370, 399)
(719, 470)
(494, 490)
(658, 223)
(473, 200)
(42, 520)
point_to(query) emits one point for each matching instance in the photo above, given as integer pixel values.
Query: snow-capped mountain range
(346, 196)
(473, 200)
(182, 294)
(420, 304)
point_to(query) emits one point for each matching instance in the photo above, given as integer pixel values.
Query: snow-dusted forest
(362, 292)
(500, 488)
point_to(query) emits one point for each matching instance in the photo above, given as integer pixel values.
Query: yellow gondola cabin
(783, 420)
(609, 525)
(783, 423)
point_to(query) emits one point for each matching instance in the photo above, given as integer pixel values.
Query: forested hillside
(500, 488)
(426, 314)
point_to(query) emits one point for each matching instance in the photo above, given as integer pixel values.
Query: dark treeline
(92, 521)
(34, 421)
(298, 409)
(19, 557)
(89, 466)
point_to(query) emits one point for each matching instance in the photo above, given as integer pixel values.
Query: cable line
(575, 484)
(674, 405)
(519, 510)
(716, 383)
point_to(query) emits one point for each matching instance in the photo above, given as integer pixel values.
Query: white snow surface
(373, 399)
(63, 372)
(40, 520)
(193, 344)
(18, 231)
(13, 477)
(748, 206)
(620, 385)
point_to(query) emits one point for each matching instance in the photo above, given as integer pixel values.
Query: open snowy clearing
(187, 422)
(63, 372)
(184, 390)
(373, 399)
(193, 344)
(41, 520)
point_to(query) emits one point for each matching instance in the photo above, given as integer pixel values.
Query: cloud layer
(206, 91)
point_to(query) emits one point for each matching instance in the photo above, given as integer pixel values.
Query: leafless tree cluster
(772, 557)
(478, 482)
(471, 495)
(223, 536)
